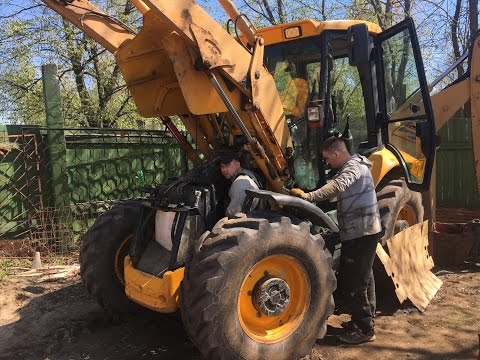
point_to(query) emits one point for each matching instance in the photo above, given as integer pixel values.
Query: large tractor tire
(104, 248)
(399, 206)
(258, 287)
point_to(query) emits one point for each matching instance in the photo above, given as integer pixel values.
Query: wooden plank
(408, 264)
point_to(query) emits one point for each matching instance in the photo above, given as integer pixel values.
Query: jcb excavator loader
(258, 285)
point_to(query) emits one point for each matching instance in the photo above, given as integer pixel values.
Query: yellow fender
(156, 293)
(382, 162)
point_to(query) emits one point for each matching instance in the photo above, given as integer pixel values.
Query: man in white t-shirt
(242, 179)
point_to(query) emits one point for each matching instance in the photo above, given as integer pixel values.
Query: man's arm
(345, 178)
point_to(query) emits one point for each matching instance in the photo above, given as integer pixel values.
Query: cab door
(406, 116)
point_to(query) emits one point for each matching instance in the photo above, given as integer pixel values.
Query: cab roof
(277, 34)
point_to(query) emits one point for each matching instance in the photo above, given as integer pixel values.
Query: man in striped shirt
(359, 225)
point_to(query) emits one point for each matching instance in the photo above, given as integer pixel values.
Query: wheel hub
(271, 296)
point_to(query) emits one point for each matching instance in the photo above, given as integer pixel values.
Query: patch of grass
(10, 266)
(7, 266)
(60, 260)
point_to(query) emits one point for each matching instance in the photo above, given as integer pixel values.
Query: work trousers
(357, 256)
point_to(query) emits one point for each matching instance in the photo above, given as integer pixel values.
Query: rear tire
(397, 204)
(220, 291)
(399, 208)
(104, 248)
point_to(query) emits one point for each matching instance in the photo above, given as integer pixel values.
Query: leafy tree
(93, 91)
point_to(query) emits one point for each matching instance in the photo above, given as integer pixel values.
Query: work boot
(356, 336)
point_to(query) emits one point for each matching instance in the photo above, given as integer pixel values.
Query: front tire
(399, 207)
(104, 248)
(258, 287)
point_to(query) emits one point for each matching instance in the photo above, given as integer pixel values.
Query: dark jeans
(356, 261)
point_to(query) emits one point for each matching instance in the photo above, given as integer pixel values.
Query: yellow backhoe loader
(259, 285)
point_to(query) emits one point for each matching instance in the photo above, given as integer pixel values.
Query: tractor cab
(350, 79)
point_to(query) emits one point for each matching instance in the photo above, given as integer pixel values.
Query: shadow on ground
(59, 321)
(66, 324)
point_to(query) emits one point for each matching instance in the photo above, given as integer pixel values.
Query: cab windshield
(296, 67)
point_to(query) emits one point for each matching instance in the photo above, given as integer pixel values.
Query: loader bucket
(408, 264)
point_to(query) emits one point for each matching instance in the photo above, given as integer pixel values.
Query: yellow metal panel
(265, 98)
(86, 17)
(475, 106)
(158, 294)
(197, 90)
(140, 5)
(246, 28)
(148, 71)
(373, 28)
(383, 161)
(448, 101)
(184, 15)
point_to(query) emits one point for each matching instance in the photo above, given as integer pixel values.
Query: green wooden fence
(456, 185)
(51, 200)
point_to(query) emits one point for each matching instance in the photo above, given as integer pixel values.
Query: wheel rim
(281, 273)
(408, 213)
(120, 254)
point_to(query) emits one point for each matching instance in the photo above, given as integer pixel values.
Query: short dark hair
(333, 143)
(226, 156)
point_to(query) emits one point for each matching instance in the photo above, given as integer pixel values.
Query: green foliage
(92, 89)
(348, 95)
(7, 266)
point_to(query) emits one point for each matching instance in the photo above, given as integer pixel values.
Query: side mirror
(359, 45)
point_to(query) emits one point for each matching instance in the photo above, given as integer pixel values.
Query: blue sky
(432, 29)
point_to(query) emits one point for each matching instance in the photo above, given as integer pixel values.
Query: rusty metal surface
(408, 264)
(184, 15)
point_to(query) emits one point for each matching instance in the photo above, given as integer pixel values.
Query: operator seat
(297, 89)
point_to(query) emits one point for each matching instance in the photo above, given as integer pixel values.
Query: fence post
(57, 157)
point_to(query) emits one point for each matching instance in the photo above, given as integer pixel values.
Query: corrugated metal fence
(55, 182)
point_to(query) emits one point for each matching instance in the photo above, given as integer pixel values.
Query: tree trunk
(454, 35)
(473, 17)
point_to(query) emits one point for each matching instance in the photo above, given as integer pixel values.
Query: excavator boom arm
(448, 101)
(184, 63)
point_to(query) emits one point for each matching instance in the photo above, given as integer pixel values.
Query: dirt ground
(56, 320)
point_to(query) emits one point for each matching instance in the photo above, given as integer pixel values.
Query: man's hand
(297, 192)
